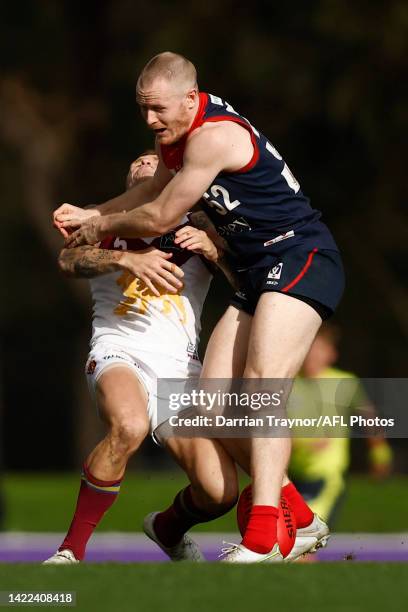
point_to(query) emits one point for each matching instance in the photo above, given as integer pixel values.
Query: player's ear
(191, 97)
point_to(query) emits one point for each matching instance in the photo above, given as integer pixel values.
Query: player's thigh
(121, 398)
(282, 332)
(207, 464)
(226, 351)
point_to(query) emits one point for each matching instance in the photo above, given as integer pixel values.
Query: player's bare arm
(150, 266)
(209, 151)
(88, 261)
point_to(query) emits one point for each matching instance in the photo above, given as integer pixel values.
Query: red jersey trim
(255, 155)
(302, 272)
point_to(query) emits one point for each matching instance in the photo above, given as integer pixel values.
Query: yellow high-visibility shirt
(334, 392)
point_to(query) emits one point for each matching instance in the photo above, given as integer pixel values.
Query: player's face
(166, 110)
(143, 167)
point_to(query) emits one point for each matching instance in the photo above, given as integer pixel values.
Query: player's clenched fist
(152, 267)
(196, 240)
(88, 233)
(68, 217)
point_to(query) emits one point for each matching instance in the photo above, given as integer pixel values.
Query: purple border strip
(136, 548)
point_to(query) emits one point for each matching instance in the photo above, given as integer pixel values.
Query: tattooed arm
(150, 265)
(89, 261)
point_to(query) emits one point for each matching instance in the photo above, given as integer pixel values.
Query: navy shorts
(315, 276)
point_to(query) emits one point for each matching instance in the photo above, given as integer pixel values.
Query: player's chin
(165, 137)
(143, 173)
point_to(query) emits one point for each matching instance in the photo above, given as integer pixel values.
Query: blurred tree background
(324, 80)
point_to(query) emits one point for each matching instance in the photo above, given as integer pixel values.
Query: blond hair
(171, 67)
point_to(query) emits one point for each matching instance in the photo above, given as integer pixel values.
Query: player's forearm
(146, 220)
(145, 191)
(89, 262)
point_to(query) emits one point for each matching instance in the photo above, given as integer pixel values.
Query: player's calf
(213, 491)
(94, 499)
(123, 439)
(169, 528)
(184, 513)
(100, 484)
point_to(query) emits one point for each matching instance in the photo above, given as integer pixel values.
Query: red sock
(261, 532)
(94, 499)
(303, 514)
(173, 523)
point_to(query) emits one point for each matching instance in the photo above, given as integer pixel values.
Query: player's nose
(150, 118)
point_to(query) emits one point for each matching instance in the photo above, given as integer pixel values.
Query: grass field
(206, 588)
(46, 502)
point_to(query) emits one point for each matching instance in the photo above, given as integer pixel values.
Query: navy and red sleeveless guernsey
(259, 209)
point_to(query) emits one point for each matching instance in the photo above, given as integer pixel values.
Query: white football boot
(62, 557)
(238, 553)
(309, 539)
(185, 550)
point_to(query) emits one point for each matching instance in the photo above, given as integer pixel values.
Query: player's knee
(128, 434)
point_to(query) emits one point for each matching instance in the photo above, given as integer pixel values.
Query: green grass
(46, 502)
(206, 588)
(375, 506)
(39, 502)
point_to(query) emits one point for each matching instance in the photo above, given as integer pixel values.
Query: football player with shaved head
(291, 271)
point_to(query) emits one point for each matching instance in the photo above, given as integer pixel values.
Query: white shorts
(147, 366)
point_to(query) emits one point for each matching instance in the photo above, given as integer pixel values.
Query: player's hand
(68, 217)
(196, 240)
(89, 232)
(154, 269)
